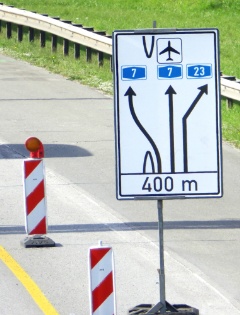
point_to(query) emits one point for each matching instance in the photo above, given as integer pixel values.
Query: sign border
(156, 196)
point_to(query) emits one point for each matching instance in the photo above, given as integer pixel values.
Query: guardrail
(76, 33)
(230, 89)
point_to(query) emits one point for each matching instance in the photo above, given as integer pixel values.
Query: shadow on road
(135, 226)
(18, 151)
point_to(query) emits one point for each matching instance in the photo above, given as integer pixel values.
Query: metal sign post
(161, 306)
(161, 256)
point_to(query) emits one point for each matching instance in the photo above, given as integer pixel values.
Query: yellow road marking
(28, 283)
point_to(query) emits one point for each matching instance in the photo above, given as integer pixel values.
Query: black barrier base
(180, 309)
(37, 241)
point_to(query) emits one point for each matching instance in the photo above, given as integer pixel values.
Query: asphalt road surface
(75, 124)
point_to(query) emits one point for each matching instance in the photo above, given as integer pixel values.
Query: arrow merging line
(170, 91)
(130, 93)
(148, 54)
(203, 89)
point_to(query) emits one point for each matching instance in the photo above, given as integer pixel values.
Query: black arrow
(203, 89)
(170, 91)
(130, 93)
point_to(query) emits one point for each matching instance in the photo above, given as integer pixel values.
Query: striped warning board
(101, 274)
(34, 197)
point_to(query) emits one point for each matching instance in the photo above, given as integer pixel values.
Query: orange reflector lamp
(33, 144)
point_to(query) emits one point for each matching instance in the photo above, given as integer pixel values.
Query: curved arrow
(130, 93)
(203, 89)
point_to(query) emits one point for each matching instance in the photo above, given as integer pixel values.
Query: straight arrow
(170, 91)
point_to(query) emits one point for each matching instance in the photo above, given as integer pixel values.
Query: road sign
(167, 114)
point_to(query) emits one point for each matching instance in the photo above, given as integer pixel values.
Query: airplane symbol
(169, 49)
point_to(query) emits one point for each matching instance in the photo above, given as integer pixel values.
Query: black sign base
(37, 241)
(178, 309)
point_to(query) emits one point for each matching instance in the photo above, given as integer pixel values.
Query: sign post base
(37, 241)
(149, 309)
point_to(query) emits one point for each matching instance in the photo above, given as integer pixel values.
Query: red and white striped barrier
(101, 276)
(34, 197)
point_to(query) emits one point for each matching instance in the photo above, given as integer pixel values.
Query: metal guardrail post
(76, 45)
(42, 39)
(54, 37)
(54, 43)
(9, 29)
(65, 47)
(100, 53)
(43, 35)
(19, 33)
(100, 59)
(229, 103)
(88, 49)
(66, 41)
(31, 34)
(88, 54)
(76, 51)
(111, 59)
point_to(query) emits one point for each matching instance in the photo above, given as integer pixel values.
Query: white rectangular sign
(167, 114)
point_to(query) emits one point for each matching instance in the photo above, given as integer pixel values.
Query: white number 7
(169, 71)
